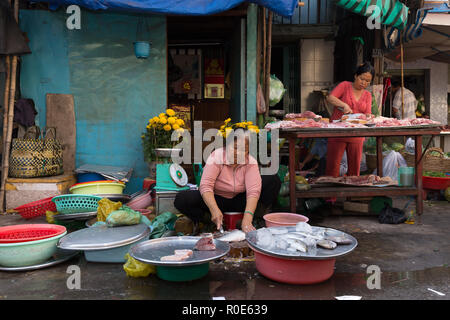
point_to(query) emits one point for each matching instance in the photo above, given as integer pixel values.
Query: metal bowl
(277, 113)
(167, 152)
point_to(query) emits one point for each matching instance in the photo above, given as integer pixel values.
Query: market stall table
(379, 132)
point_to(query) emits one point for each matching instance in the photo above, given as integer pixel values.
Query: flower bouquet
(158, 133)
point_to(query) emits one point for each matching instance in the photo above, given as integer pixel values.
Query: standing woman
(349, 97)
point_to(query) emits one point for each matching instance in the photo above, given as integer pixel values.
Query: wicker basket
(430, 163)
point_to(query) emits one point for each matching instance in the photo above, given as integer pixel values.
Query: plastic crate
(36, 208)
(76, 203)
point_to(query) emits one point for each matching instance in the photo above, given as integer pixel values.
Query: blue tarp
(183, 7)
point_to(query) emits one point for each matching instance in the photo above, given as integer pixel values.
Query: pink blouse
(344, 92)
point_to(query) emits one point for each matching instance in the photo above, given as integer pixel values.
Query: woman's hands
(217, 218)
(247, 225)
(347, 108)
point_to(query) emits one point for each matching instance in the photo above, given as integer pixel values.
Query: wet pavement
(412, 259)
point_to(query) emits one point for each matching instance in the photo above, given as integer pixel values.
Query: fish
(206, 243)
(307, 235)
(175, 257)
(339, 239)
(326, 244)
(297, 244)
(184, 252)
(278, 231)
(233, 236)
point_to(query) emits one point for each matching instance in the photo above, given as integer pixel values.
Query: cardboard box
(21, 191)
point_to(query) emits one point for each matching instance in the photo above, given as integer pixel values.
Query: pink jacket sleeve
(253, 181)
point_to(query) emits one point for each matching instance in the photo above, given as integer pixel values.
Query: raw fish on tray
(206, 243)
(179, 255)
(305, 239)
(233, 236)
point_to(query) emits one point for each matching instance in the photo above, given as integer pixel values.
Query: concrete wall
(115, 93)
(317, 66)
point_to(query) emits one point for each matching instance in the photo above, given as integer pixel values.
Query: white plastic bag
(344, 165)
(276, 90)
(391, 163)
(410, 146)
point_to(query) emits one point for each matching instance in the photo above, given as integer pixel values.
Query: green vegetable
(397, 146)
(434, 174)
(385, 147)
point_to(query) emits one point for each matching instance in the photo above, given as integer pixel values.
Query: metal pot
(167, 152)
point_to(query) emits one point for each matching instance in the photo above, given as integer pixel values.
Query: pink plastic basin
(283, 219)
(140, 202)
(293, 271)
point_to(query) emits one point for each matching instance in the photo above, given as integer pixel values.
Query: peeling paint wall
(115, 93)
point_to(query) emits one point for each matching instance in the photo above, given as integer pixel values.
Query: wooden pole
(401, 62)
(264, 49)
(268, 58)
(12, 93)
(6, 104)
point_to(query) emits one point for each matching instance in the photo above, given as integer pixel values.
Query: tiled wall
(317, 61)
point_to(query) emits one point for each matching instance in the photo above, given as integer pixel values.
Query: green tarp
(391, 12)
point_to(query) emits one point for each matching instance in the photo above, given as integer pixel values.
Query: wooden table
(327, 192)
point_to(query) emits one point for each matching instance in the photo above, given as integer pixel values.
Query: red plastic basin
(293, 271)
(283, 219)
(435, 183)
(29, 232)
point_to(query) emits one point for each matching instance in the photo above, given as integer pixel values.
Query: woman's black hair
(365, 67)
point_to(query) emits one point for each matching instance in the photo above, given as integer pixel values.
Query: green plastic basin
(30, 253)
(187, 273)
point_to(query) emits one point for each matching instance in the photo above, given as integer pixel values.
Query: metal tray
(75, 216)
(59, 257)
(124, 198)
(322, 254)
(151, 251)
(103, 237)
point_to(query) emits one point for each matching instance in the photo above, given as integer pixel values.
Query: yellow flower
(167, 127)
(249, 122)
(162, 115)
(163, 121)
(148, 126)
(155, 119)
(228, 120)
(171, 120)
(175, 126)
(170, 112)
(180, 122)
(228, 131)
(222, 127)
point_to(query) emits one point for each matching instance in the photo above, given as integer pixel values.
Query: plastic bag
(136, 269)
(162, 223)
(277, 90)
(391, 215)
(344, 165)
(49, 216)
(260, 102)
(391, 163)
(105, 207)
(123, 217)
(410, 146)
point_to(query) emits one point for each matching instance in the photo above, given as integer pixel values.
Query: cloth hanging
(25, 112)
(12, 41)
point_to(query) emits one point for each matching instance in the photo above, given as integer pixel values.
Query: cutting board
(61, 115)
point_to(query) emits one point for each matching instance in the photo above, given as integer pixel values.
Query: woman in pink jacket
(229, 184)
